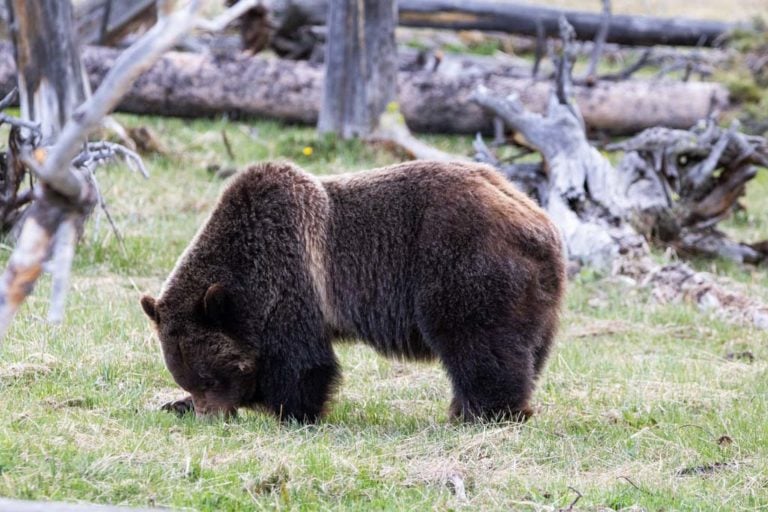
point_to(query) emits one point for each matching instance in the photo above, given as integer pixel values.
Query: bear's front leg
(300, 394)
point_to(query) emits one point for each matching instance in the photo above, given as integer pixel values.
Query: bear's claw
(179, 407)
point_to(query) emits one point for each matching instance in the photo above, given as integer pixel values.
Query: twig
(633, 484)
(564, 77)
(696, 177)
(600, 37)
(96, 153)
(21, 123)
(483, 153)
(227, 145)
(9, 98)
(105, 22)
(576, 500)
(643, 60)
(541, 41)
(103, 205)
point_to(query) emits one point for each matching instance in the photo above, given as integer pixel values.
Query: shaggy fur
(421, 260)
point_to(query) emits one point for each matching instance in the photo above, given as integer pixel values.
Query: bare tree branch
(602, 35)
(54, 221)
(132, 62)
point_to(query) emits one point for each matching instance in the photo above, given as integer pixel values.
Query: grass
(636, 396)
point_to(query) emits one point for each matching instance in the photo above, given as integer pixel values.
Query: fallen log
(530, 20)
(194, 85)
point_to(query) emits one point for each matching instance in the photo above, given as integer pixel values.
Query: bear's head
(204, 354)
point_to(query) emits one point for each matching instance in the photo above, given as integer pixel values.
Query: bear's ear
(216, 303)
(150, 307)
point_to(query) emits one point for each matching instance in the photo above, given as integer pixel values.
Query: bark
(51, 87)
(192, 85)
(52, 83)
(361, 66)
(529, 20)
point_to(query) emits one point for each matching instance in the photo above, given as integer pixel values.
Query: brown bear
(420, 260)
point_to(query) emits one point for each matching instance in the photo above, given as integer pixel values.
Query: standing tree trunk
(360, 66)
(51, 79)
(51, 86)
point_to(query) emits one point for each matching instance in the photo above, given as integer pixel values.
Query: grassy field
(642, 406)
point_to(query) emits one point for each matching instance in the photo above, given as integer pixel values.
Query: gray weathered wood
(61, 206)
(52, 83)
(360, 66)
(524, 19)
(192, 85)
(606, 215)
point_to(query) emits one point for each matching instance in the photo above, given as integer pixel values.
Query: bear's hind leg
(491, 381)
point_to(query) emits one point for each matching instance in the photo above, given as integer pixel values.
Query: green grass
(634, 392)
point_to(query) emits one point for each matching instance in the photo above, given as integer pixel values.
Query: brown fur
(422, 260)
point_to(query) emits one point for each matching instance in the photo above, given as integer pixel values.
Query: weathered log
(190, 85)
(529, 20)
(360, 75)
(584, 195)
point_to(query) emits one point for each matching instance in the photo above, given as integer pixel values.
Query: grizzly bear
(421, 260)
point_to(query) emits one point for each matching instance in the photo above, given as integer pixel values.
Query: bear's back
(396, 233)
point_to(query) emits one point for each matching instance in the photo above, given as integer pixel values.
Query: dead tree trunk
(51, 79)
(51, 86)
(360, 66)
